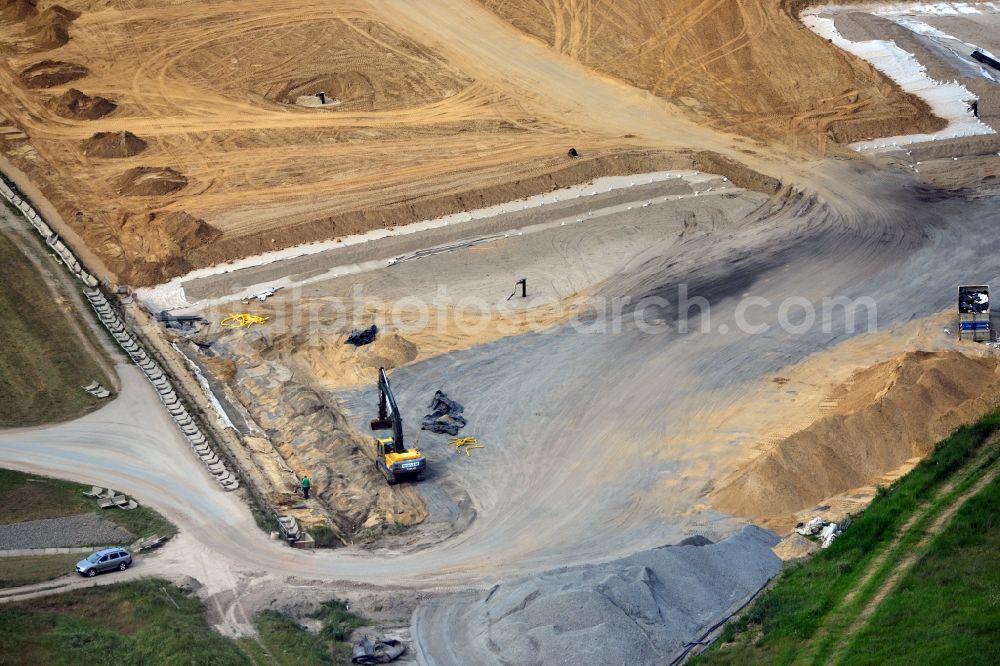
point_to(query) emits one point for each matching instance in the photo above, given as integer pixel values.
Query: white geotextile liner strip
(947, 100)
(170, 295)
(921, 28)
(216, 405)
(937, 9)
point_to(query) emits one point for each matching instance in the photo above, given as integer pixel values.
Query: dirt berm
(885, 415)
(638, 610)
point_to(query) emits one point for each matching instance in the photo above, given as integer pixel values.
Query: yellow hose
(243, 320)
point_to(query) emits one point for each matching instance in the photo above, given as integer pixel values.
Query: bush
(325, 537)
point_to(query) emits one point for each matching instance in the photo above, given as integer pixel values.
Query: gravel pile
(641, 609)
(85, 529)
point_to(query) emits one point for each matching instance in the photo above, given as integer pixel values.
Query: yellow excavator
(392, 458)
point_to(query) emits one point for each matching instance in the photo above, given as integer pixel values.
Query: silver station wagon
(104, 560)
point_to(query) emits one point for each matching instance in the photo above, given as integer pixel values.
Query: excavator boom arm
(388, 413)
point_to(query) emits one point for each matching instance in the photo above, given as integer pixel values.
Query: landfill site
(572, 313)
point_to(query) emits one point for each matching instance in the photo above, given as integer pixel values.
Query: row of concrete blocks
(51, 239)
(118, 330)
(168, 396)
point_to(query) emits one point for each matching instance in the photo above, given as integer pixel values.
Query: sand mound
(794, 547)
(113, 144)
(886, 415)
(150, 181)
(49, 73)
(330, 363)
(79, 106)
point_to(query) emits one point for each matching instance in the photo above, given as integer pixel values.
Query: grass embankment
(806, 611)
(141, 622)
(150, 621)
(283, 641)
(41, 361)
(947, 608)
(17, 571)
(28, 497)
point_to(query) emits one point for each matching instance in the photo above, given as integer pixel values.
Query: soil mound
(886, 414)
(164, 237)
(150, 181)
(50, 28)
(50, 73)
(79, 106)
(334, 364)
(113, 144)
(18, 10)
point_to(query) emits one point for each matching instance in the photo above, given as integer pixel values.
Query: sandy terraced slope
(435, 107)
(740, 65)
(209, 90)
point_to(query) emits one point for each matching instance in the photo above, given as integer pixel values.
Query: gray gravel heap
(641, 609)
(85, 529)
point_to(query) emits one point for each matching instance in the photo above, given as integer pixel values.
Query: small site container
(974, 313)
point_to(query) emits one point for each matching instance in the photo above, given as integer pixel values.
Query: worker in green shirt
(305, 486)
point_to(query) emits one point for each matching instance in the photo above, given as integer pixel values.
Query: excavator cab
(392, 458)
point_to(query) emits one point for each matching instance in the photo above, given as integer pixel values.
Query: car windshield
(93, 558)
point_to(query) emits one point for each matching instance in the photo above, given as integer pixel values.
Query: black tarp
(382, 651)
(363, 336)
(445, 417)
